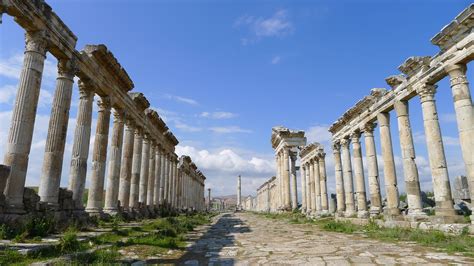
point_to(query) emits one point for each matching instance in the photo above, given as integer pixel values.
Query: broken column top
(140, 100)
(455, 31)
(290, 137)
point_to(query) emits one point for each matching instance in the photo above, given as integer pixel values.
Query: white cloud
(218, 115)
(229, 130)
(420, 138)
(319, 133)
(276, 60)
(11, 67)
(182, 99)
(278, 25)
(185, 127)
(7, 94)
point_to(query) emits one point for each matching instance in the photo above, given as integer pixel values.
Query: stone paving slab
(249, 239)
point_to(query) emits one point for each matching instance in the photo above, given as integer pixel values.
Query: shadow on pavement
(216, 246)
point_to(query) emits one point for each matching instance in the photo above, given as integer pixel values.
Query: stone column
(465, 119)
(390, 175)
(151, 176)
(434, 142)
(113, 175)
(340, 199)
(144, 170)
(173, 181)
(286, 179)
(359, 176)
(18, 145)
(162, 177)
(126, 165)
(239, 191)
(317, 185)
(348, 182)
(166, 179)
(308, 188)
(57, 131)
(80, 148)
(99, 156)
(373, 170)
(410, 170)
(323, 180)
(294, 199)
(136, 167)
(311, 185)
(156, 193)
(303, 188)
(278, 179)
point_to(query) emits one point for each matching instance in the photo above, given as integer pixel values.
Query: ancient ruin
(143, 171)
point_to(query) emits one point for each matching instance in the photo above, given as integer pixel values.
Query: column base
(363, 214)
(111, 211)
(374, 211)
(349, 213)
(15, 209)
(416, 216)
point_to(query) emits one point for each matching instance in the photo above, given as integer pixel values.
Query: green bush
(69, 242)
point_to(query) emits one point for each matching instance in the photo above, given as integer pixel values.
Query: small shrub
(10, 256)
(69, 242)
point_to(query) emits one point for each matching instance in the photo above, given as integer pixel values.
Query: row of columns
(314, 184)
(191, 190)
(286, 177)
(140, 171)
(347, 170)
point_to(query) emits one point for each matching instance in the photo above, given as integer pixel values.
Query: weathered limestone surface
(348, 182)
(359, 176)
(340, 193)
(372, 170)
(126, 166)
(136, 166)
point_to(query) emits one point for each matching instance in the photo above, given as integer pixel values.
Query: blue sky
(222, 73)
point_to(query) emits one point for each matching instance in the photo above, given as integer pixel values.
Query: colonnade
(137, 170)
(266, 196)
(418, 80)
(286, 144)
(191, 186)
(314, 180)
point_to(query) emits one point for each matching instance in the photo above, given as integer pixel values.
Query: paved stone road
(249, 239)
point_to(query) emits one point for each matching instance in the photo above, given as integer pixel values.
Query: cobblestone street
(249, 239)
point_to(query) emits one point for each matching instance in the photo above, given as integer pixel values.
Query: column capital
(369, 127)
(336, 146)
(355, 136)
(36, 41)
(67, 68)
(426, 91)
(86, 88)
(104, 103)
(138, 131)
(345, 142)
(119, 115)
(401, 108)
(457, 74)
(321, 155)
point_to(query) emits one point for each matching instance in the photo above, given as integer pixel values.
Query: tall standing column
(311, 185)
(80, 148)
(156, 195)
(279, 180)
(348, 182)
(317, 185)
(286, 179)
(144, 170)
(151, 176)
(136, 167)
(57, 131)
(410, 170)
(166, 179)
(294, 199)
(303, 189)
(323, 181)
(434, 142)
(340, 199)
(126, 165)
(113, 177)
(99, 156)
(308, 189)
(373, 170)
(239, 191)
(390, 175)
(18, 145)
(162, 177)
(464, 118)
(359, 176)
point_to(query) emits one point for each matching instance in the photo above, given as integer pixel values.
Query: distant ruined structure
(144, 173)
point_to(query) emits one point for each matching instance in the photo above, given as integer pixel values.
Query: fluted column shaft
(311, 185)
(126, 166)
(144, 169)
(317, 185)
(434, 142)
(348, 182)
(303, 188)
(162, 176)
(286, 179)
(294, 194)
(96, 190)
(80, 148)
(308, 188)
(18, 145)
(359, 176)
(136, 167)
(156, 195)
(323, 181)
(372, 170)
(340, 198)
(151, 176)
(279, 180)
(410, 170)
(464, 118)
(57, 131)
(390, 175)
(113, 175)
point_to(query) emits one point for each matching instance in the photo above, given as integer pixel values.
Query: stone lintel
(107, 60)
(140, 100)
(456, 30)
(396, 80)
(171, 137)
(414, 64)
